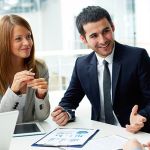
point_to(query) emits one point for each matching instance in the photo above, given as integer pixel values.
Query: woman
(23, 79)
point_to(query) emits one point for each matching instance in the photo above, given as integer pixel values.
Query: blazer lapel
(115, 76)
(116, 68)
(28, 114)
(93, 83)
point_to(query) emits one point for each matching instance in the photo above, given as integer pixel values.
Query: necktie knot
(105, 62)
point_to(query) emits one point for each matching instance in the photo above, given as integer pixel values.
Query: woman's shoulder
(42, 68)
(40, 64)
(39, 61)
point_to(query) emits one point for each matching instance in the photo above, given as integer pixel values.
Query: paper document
(113, 142)
(67, 137)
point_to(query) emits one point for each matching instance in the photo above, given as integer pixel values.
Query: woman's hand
(40, 85)
(21, 79)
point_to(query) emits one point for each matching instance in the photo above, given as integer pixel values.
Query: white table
(24, 143)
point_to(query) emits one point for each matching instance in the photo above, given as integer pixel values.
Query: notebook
(7, 126)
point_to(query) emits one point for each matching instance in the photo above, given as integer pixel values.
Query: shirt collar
(109, 58)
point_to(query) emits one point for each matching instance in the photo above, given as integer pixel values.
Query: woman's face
(21, 42)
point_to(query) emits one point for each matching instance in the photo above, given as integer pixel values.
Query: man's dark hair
(91, 14)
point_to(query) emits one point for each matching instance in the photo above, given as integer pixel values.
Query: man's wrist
(71, 114)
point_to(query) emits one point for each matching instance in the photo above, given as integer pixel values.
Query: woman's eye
(18, 39)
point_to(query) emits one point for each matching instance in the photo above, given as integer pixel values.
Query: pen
(61, 148)
(66, 110)
(30, 69)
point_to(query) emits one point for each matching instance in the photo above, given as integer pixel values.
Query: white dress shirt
(100, 69)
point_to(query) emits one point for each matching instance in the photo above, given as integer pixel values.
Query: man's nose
(101, 38)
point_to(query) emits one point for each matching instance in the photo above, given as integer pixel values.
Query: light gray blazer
(35, 109)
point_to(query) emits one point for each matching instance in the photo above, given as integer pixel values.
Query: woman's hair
(7, 24)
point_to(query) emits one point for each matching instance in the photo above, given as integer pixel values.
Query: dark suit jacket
(130, 83)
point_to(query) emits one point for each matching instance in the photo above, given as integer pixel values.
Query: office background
(56, 37)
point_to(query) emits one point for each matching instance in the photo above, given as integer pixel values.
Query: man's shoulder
(122, 49)
(128, 47)
(86, 58)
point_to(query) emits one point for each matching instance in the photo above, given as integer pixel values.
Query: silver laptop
(7, 126)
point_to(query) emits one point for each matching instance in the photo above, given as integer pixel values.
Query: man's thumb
(134, 110)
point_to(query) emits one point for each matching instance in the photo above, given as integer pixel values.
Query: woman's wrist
(17, 92)
(40, 95)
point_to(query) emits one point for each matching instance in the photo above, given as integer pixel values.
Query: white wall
(46, 25)
(143, 23)
(51, 26)
(116, 8)
(54, 27)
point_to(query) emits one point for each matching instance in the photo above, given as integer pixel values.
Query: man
(114, 77)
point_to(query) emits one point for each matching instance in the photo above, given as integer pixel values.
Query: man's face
(99, 36)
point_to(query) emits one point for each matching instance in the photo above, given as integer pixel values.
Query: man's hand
(60, 116)
(136, 121)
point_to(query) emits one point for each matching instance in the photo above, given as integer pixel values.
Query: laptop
(7, 125)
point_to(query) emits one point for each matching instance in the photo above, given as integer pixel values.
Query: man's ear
(83, 39)
(113, 27)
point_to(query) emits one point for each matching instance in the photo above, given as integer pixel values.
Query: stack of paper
(113, 142)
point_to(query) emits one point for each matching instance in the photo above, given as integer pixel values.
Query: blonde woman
(23, 79)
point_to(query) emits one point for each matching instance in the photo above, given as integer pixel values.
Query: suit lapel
(116, 68)
(115, 76)
(93, 83)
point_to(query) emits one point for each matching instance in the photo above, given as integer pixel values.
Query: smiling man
(114, 77)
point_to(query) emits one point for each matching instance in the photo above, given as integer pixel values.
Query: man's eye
(29, 37)
(106, 31)
(93, 36)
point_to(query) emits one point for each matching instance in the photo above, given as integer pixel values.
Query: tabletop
(24, 143)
